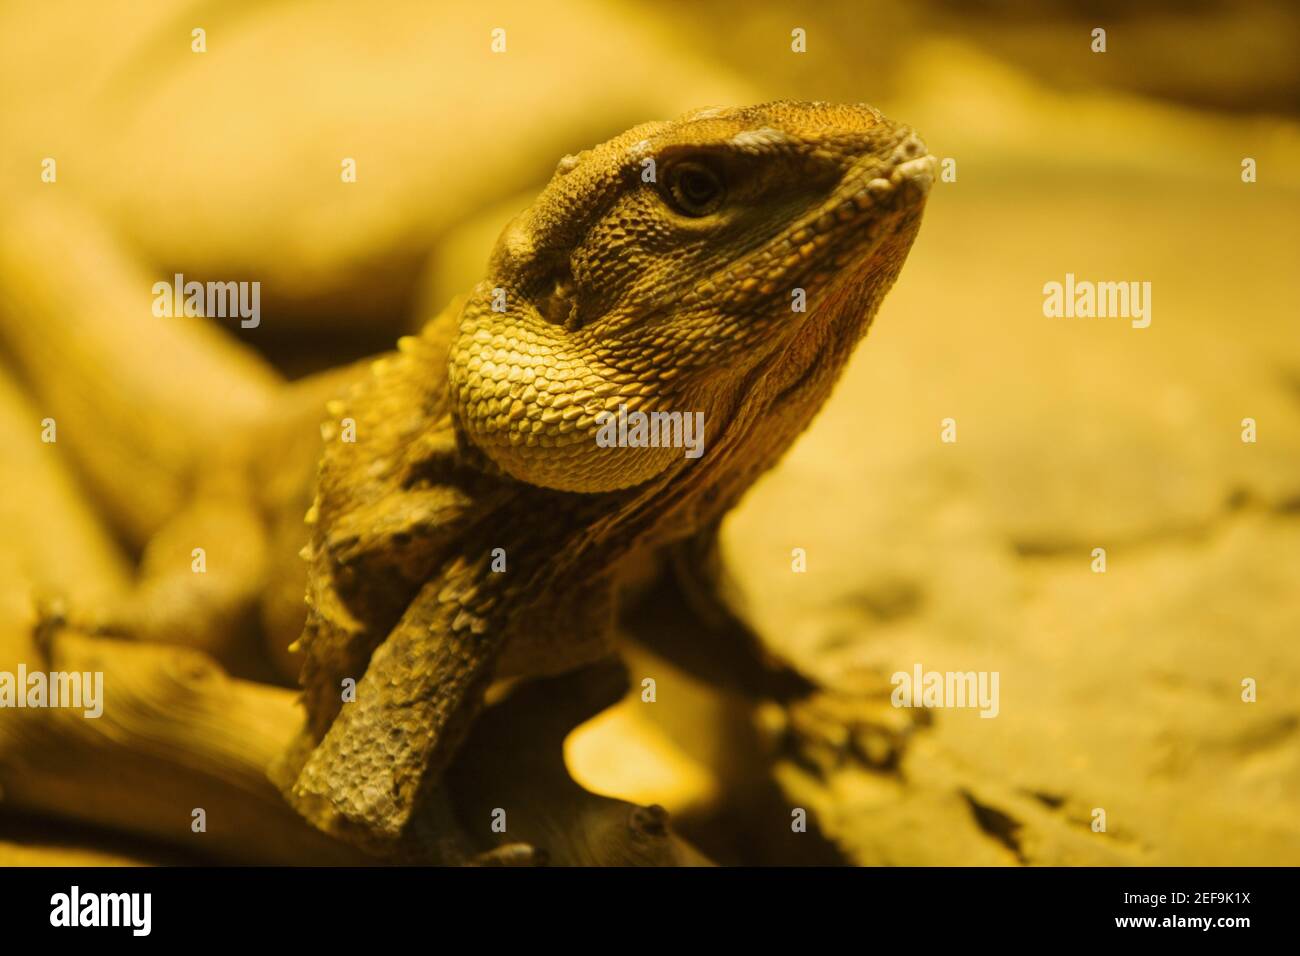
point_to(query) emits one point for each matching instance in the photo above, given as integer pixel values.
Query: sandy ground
(1119, 690)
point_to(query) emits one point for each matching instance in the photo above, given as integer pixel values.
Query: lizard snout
(913, 163)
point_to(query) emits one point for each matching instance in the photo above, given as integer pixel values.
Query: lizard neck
(536, 403)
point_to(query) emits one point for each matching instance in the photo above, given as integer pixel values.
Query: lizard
(465, 524)
(479, 532)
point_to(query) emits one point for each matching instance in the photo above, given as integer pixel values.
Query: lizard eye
(694, 189)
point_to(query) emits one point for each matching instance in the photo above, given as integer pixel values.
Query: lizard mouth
(891, 216)
(871, 194)
(872, 199)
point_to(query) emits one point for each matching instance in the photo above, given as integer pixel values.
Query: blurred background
(1119, 691)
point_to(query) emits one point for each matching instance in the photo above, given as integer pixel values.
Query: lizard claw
(830, 728)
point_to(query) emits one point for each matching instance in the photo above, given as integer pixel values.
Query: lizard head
(724, 261)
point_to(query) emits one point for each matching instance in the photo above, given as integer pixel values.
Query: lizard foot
(833, 727)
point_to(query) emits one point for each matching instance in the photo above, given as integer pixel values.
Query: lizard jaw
(864, 210)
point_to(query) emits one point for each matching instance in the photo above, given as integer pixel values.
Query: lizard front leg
(391, 740)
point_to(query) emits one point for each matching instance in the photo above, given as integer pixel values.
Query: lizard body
(611, 290)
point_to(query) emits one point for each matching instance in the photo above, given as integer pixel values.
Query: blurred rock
(227, 164)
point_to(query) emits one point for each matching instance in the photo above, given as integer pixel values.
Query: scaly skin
(480, 434)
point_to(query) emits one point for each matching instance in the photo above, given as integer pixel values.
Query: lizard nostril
(911, 147)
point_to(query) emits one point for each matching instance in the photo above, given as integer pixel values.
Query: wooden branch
(178, 735)
(513, 761)
(71, 320)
